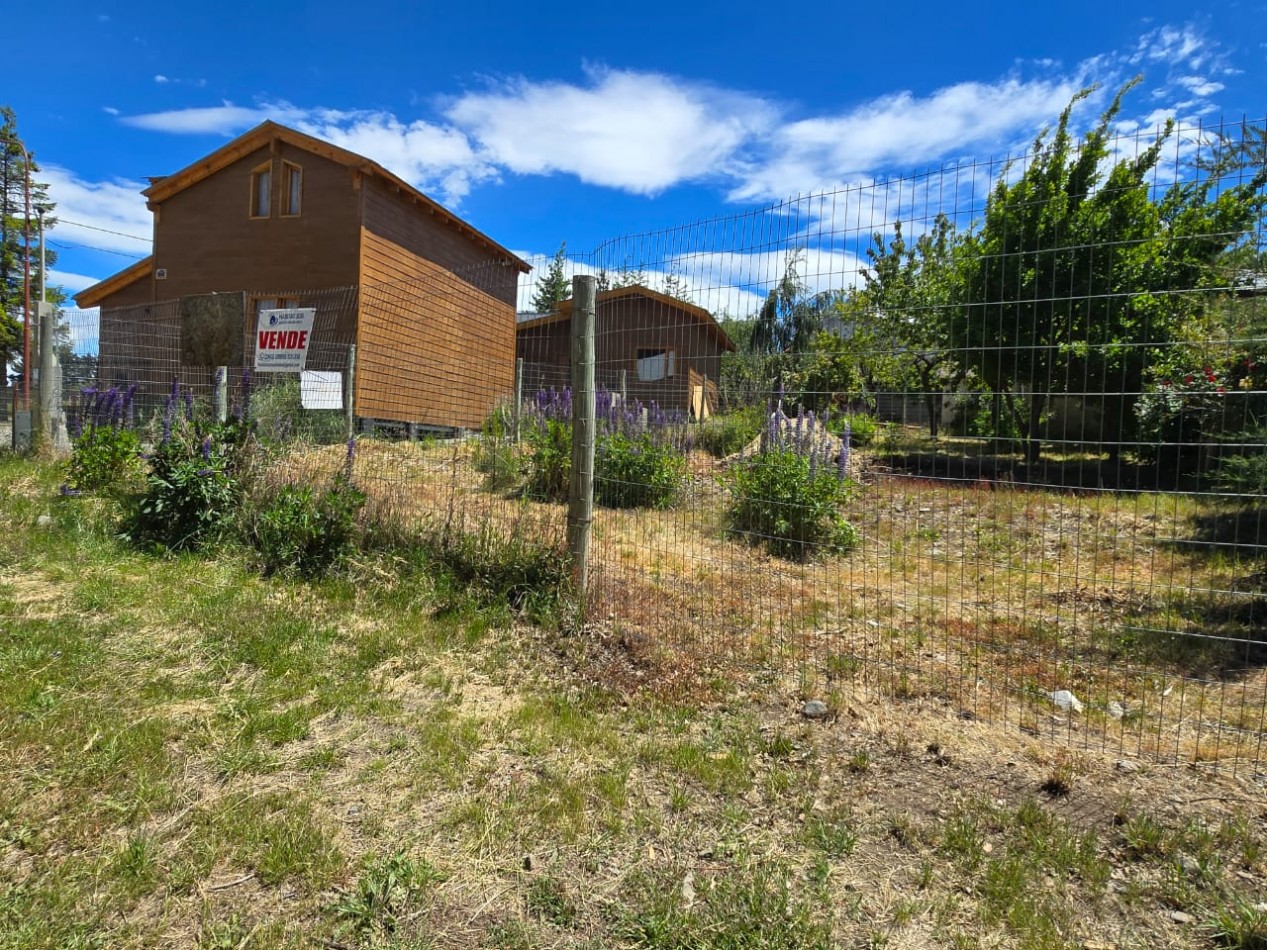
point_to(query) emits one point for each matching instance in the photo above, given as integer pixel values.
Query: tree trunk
(1033, 438)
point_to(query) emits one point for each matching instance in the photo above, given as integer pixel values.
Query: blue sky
(540, 123)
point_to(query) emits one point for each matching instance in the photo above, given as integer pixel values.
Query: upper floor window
(293, 176)
(261, 191)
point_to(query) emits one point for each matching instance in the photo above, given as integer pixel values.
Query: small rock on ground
(814, 709)
(1065, 700)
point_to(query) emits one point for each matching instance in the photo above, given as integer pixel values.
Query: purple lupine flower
(351, 456)
(67, 491)
(843, 461)
(800, 430)
(204, 472)
(206, 448)
(189, 405)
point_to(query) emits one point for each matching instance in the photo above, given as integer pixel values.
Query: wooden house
(280, 218)
(653, 347)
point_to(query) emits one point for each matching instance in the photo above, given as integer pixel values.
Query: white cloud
(116, 208)
(1200, 86)
(432, 157)
(902, 131)
(638, 132)
(161, 79)
(70, 282)
(1172, 45)
(436, 158)
(109, 110)
(224, 119)
(644, 132)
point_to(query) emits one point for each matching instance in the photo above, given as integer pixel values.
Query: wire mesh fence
(991, 436)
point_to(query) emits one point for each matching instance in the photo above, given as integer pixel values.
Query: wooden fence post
(519, 399)
(581, 488)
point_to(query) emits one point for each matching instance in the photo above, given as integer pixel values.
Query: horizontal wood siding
(431, 347)
(394, 217)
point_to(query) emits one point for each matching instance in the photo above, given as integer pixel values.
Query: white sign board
(281, 340)
(318, 390)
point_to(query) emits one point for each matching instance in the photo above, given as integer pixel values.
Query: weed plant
(198, 476)
(305, 531)
(788, 496)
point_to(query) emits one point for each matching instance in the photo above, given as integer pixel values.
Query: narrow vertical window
(294, 177)
(261, 191)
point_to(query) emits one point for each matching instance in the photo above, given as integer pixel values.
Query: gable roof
(564, 311)
(266, 132)
(92, 296)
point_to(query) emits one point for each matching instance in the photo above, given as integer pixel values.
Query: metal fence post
(519, 399)
(581, 489)
(349, 384)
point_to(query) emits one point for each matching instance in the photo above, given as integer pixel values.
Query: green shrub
(298, 529)
(725, 435)
(862, 427)
(549, 460)
(1245, 473)
(789, 504)
(104, 457)
(280, 416)
(199, 474)
(637, 471)
(500, 462)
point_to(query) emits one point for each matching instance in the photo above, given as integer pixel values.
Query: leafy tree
(555, 285)
(13, 177)
(1074, 270)
(910, 290)
(789, 318)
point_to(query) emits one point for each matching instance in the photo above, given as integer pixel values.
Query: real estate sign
(281, 340)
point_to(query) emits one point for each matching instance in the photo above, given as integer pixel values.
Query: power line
(92, 247)
(93, 227)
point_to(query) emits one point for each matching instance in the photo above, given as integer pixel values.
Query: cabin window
(293, 175)
(261, 191)
(655, 364)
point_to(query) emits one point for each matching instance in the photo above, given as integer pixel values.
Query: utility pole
(43, 267)
(26, 281)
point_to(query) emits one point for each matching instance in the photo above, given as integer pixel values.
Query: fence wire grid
(993, 435)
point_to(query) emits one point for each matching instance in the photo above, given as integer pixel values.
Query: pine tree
(675, 286)
(627, 276)
(555, 285)
(13, 177)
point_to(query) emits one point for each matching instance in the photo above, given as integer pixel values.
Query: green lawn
(194, 756)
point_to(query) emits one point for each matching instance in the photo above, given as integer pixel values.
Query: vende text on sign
(281, 340)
